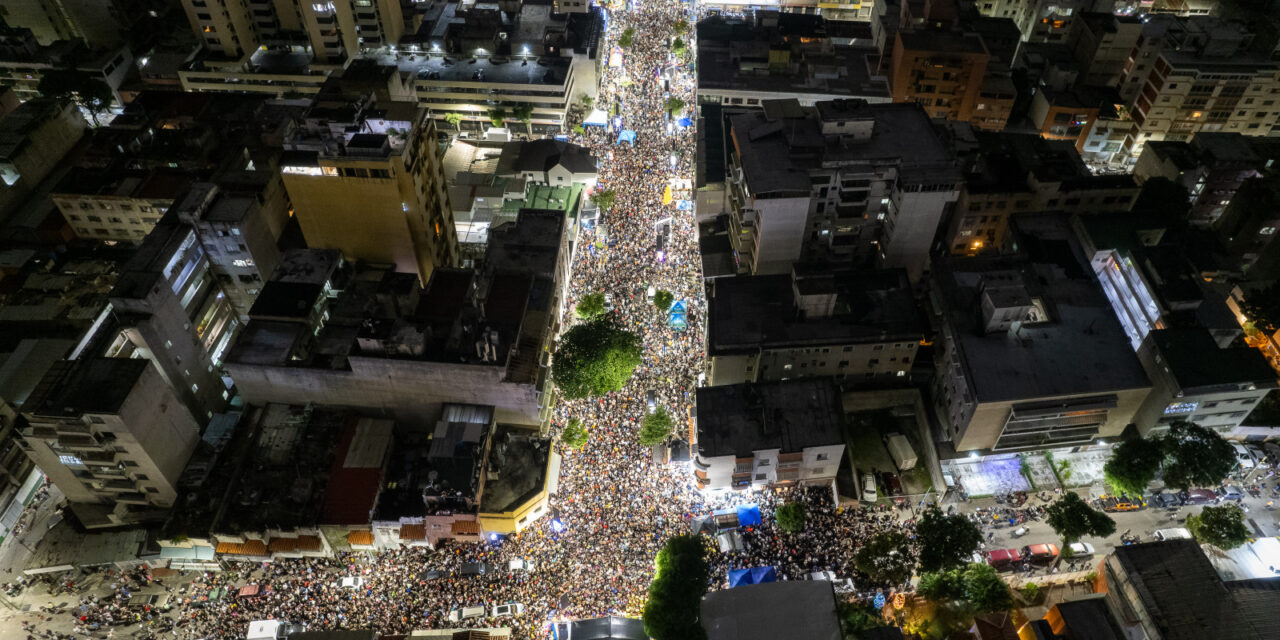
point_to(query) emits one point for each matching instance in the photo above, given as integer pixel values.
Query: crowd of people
(593, 554)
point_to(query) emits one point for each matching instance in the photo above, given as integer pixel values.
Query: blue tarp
(678, 318)
(748, 515)
(684, 205)
(628, 136)
(754, 575)
(684, 122)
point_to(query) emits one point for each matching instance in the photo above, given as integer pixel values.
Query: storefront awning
(197, 552)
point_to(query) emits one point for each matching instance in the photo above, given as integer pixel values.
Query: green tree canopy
(497, 117)
(663, 300)
(77, 87)
(680, 579)
(594, 358)
(591, 306)
(856, 617)
(604, 199)
(790, 517)
(886, 557)
(945, 541)
(586, 100)
(1222, 527)
(1133, 465)
(1262, 307)
(1196, 456)
(627, 38)
(681, 27)
(985, 590)
(454, 119)
(1071, 517)
(574, 435)
(656, 427)
(942, 586)
(674, 105)
(678, 47)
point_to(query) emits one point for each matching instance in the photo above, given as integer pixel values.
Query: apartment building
(1031, 356)
(771, 55)
(844, 180)
(34, 139)
(1102, 44)
(112, 435)
(366, 178)
(1008, 174)
(100, 23)
(755, 436)
(167, 306)
(1212, 168)
(238, 219)
(946, 73)
(859, 326)
(24, 61)
(116, 204)
(334, 31)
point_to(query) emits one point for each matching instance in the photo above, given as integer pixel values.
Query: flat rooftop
(1080, 349)
(752, 312)
(519, 459)
(1196, 361)
(735, 420)
(795, 609)
(96, 385)
(843, 73)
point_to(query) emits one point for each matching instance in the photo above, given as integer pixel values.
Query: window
(141, 477)
(823, 456)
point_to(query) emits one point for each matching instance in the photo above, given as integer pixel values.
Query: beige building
(113, 437)
(753, 436)
(1031, 356)
(335, 31)
(378, 195)
(33, 141)
(120, 206)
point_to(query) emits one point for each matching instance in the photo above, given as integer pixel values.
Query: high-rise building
(367, 179)
(33, 141)
(335, 31)
(99, 23)
(946, 73)
(112, 435)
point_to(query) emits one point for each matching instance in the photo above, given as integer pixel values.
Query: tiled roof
(360, 537)
(413, 532)
(466, 527)
(300, 543)
(249, 548)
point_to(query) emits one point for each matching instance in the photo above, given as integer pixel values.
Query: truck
(903, 455)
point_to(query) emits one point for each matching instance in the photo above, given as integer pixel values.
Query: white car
(1242, 456)
(509, 609)
(351, 582)
(1258, 454)
(608, 302)
(1080, 549)
(466, 613)
(869, 488)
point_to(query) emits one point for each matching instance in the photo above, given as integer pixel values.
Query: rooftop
(352, 490)
(936, 40)
(74, 387)
(1195, 360)
(1080, 348)
(754, 312)
(520, 156)
(1185, 598)
(792, 415)
(517, 466)
(794, 609)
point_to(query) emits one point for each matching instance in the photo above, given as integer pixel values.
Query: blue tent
(748, 515)
(628, 136)
(761, 575)
(739, 577)
(684, 122)
(678, 317)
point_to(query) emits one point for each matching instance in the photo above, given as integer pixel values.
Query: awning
(413, 532)
(465, 528)
(197, 552)
(598, 118)
(362, 538)
(248, 590)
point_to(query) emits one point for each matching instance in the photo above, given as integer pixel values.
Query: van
(509, 609)
(1243, 457)
(1200, 496)
(1004, 559)
(466, 613)
(1178, 533)
(1040, 553)
(351, 582)
(869, 488)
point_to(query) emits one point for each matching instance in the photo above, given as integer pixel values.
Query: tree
(678, 47)
(497, 117)
(942, 586)
(1222, 527)
(627, 38)
(887, 557)
(945, 541)
(77, 87)
(524, 113)
(586, 100)
(856, 617)
(594, 358)
(1072, 518)
(681, 27)
(663, 300)
(1196, 456)
(574, 435)
(680, 580)
(590, 307)
(1133, 465)
(656, 427)
(985, 590)
(454, 119)
(1262, 308)
(790, 517)
(674, 105)
(604, 199)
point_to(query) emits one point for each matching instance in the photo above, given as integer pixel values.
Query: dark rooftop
(519, 459)
(946, 41)
(97, 385)
(790, 415)
(1195, 360)
(543, 155)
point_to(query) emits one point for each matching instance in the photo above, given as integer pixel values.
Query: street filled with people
(592, 555)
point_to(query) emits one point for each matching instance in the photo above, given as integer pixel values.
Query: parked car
(1004, 559)
(1177, 533)
(1243, 458)
(608, 302)
(869, 488)
(351, 582)
(1199, 496)
(1040, 553)
(466, 613)
(1231, 492)
(1080, 549)
(509, 609)
(1259, 455)
(1120, 503)
(892, 485)
(1273, 453)
(1162, 500)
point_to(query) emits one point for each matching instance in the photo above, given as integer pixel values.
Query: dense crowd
(616, 506)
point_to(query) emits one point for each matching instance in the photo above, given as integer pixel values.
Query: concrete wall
(413, 391)
(160, 434)
(984, 428)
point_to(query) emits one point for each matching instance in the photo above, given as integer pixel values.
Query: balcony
(119, 485)
(78, 443)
